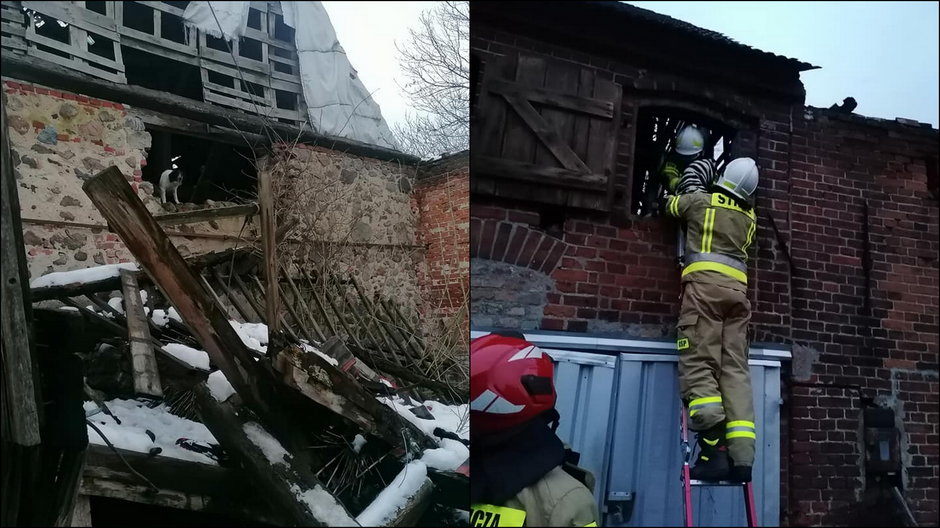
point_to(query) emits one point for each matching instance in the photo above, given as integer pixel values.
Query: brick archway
(515, 243)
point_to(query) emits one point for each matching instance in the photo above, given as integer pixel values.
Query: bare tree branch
(436, 64)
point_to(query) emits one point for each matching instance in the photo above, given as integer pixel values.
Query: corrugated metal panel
(622, 413)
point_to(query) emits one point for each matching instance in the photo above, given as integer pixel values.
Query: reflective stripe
(705, 458)
(700, 403)
(682, 344)
(491, 515)
(715, 266)
(674, 206)
(707, 227)
(740, 429)
(750, 236)
(591, 524)
(710, 442)
(720, 258)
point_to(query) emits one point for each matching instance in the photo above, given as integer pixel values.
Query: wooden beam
(268, 227)
(74, 289)
(280, 480)
(204, 215)
(143, 362)
(586, 105)
(21, 420)
(415, 507)
(61, 77)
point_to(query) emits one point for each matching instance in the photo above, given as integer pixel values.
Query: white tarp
(338, 104)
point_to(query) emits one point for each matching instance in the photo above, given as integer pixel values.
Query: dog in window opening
(170, 181)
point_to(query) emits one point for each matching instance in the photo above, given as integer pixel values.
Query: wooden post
(21, 421)
(144, 364)
(268, 240)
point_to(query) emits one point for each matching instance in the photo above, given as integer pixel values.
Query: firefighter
(520, 474)
(712, 330)
(689, 145)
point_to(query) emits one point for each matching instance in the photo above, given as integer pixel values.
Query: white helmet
(740, 178)
(690, 141)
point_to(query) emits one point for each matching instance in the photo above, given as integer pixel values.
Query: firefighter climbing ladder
(688, 483)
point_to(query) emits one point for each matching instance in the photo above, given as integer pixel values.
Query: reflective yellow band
(592, 524)
(705, 458)
(750, 237)
(682, 344)
(700, 401)
(720, 200)
(710, 442)
(490, 515)
(674, 206)
(715, 266)
(707, 226)
(740, 423)
(741, 434)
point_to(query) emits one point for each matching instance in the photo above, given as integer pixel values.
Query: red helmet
(511, 382)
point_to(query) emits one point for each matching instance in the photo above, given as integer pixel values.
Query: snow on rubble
(219, 386)
(195, 358)
(395, 496)
(137, 418)
(453, 418)
(323, 506)
(97, 273)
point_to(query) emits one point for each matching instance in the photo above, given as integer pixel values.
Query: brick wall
(844, 271)
(441, 197)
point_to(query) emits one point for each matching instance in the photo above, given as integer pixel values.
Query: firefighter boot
(740, 474)
(713, 463)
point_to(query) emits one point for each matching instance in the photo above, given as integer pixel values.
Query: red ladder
(687, 482)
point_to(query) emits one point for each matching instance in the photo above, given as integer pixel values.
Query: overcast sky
(884, 54)
(368, 32)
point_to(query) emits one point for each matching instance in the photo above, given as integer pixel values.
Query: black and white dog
(170, 180)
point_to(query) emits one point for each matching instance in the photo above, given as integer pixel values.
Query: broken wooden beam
(74, 289)
(268, 243)
(290, 487)
(21, 419)
(143, 362)
(417, 504)
(204, 215)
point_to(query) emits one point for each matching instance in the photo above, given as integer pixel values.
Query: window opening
(656, 132)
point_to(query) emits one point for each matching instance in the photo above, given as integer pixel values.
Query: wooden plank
(230, 294)
(275, 478)
(280, 317)
(306, 308)
(143, 362)
(301, 327)
(612, 91)
(74, 289)
(176, 124)
(546, 134)
(582, 123)
(76, 52)
(373, 313)
(268, 228)
(519, 142)
(504, 168)
(165, 48)
(204, 215)
(244, 63)
(76, 16)
(72, 64)
(21, 421)
(12, 43)
(246, 293)
(554, 97)
(81, 513)
(415, 506)
(162, 6)
(320, 305)
(561, 78)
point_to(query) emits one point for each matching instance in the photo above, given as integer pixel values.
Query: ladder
(688, 483)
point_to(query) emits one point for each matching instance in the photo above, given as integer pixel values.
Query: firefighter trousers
(714, 377)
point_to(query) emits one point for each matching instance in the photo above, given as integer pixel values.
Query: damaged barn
(237, 313)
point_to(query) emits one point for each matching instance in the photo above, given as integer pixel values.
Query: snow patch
(254, 335)
(136, 418)
(358, 442)
(97, 273)
(315, 350)
(117, 303)
(174, 315)
(453, 418)
(323, 506)
(192, 357)
(393, 498)
(448, 457)
(219, 386)
(160, 318)
(272, 449)
(68, 309)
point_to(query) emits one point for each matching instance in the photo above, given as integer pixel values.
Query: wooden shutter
(547, 132)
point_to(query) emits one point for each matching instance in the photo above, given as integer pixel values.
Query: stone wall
(354, 215)
(60, 139)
